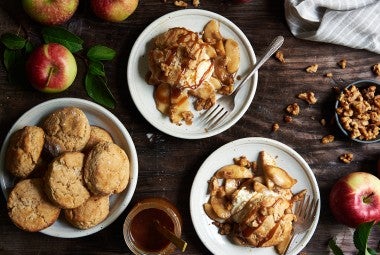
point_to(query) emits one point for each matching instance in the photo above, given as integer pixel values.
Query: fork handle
(272, 48)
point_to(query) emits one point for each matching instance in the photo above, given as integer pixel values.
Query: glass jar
(140, 233)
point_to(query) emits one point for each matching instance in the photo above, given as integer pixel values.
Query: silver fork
(226, 104)
(305, 211)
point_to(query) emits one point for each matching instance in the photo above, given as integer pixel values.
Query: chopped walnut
(328, 139)
(224, 228)
(323, 122)
(275, 127)
(346, 158)
(180, 3)
(359, 112)
(288, 119)
(342, 63)
(280, 56)
(242, 161)
(376, 69)
(196, 3)
(293, 109)
(312, 69)
(188, 117)
(309, 97)
(329, 75)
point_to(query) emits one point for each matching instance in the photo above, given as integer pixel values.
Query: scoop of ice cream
(180, 58)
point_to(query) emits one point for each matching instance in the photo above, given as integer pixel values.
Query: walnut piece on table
(376, 69)
(346, 158)
(280, 56)
(342, 63)
(180, 3)
(327, 139)
(275, 127)
(312, 69)
(309, 97)
(288, 119)
(293, 109)
(329, 75)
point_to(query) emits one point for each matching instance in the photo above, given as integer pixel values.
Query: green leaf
(361, 235)
(100, 52)
(372, 251)
(14, 62)
(97, 89)
(96, 68)
(334, 247)
(12, 41)
(62, 36)
(28, 47)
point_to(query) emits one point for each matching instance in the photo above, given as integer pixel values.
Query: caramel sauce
(145, 235)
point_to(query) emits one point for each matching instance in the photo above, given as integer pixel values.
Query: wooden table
(167, 165)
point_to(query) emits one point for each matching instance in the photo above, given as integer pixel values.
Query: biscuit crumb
(312, 69)
(346, 158)
(327, 139)
(309, 97)
(376, 69)
(329, 75)
(180, 3)
(342, 63)
(275, 127)
(280, 56)
(293, 109)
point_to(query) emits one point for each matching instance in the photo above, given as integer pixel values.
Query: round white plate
(286, 158)
(142, 92)
(99, 116)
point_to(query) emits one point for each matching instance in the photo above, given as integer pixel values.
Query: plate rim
(63, 102)
(256, 140)
(253, 80)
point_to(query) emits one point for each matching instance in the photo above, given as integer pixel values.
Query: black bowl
(360, 85)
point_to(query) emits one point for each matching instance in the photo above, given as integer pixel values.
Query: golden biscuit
(29, 208)
(89, 214)
(64, 181)
(106, 170)
(24, 150)
(97, 135)
(66, 129)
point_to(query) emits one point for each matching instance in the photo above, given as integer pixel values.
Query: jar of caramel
(140, 232)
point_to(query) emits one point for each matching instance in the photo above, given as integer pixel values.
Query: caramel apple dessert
(183, 64)
(252, 202)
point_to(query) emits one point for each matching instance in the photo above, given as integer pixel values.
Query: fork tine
(211, 118)
(219, 119)
(209, 113)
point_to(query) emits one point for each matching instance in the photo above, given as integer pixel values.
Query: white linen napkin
(353, 23)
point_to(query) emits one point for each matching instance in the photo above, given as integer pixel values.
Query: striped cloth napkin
(353, 23)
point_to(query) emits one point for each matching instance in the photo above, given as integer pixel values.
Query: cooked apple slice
(211, 31)
(219, 205)
(233, 55)
(162, 98)
(211, 213)
(279, 176)
(234, 172)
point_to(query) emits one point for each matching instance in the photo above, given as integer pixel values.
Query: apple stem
(367, 199)
(51, 70)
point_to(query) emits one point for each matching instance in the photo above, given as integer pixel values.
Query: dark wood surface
(167, 165)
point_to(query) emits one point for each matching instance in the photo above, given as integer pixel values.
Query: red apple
(113, 10)
(52, 12)
(51, 68)
(355, 199)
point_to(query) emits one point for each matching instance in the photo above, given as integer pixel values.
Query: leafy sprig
(360, 238)
(18, 48)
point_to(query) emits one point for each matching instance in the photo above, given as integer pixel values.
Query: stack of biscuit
(84, 167)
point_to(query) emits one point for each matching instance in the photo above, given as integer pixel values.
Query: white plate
(142, 92)
(99, 116)
(286, 158)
